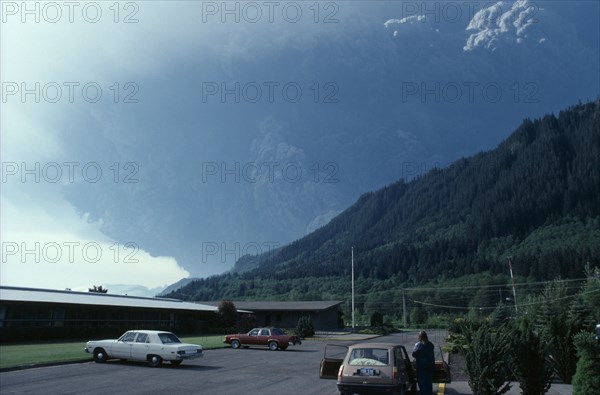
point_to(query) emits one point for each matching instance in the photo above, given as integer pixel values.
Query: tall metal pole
(352, 289)
(513, 284)
(403, 308)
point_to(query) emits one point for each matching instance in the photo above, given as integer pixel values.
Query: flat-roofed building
(325, 315)
(35, 314)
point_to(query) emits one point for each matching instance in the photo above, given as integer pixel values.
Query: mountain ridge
(465, 219)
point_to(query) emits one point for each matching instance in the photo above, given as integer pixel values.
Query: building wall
(322, 320)
(24, 321)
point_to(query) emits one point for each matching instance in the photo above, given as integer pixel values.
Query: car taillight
(395, 374)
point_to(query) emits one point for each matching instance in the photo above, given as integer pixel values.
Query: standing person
(423, 353)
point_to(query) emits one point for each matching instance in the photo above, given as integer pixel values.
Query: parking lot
(221, 371)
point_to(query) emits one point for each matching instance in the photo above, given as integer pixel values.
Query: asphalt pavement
(221, 371)
(462, 388)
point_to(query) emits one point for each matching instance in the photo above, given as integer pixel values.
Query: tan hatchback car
(374, 368)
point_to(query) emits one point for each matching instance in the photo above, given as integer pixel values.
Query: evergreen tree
(488, 359)
(227, 313)
(532, 366)
(558, 327)
(305, 327)
(535, 197)
(587, 378)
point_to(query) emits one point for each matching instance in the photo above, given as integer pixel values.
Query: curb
(44, 365)
(68, 362)
(336, 339)
(442, 386)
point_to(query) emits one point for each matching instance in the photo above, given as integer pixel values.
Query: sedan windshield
(127, 337)
(167, 338)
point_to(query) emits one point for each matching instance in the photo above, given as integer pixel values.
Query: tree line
(534, 199)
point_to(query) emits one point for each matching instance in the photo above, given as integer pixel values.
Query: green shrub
(438, 321)
(227, 313)
(376, 319)
(305, 327)
(533, 370)
(559, 322)
(587, 376)
(488, 359)
(248, 322)
(456, 343)
(380, 330)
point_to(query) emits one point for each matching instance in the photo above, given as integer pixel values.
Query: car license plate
(367, 372)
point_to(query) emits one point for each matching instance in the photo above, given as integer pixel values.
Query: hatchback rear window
(369, 357)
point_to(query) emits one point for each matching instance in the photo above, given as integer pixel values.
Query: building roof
(319, 305)
(38, 295)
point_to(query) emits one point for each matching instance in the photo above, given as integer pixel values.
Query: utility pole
(513, 284)
(403, 308)
(352, 289)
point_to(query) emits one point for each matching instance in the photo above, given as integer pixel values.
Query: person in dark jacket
(424, 355)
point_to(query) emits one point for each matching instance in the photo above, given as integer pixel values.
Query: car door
(140, 347)
(263, 337)
(122, 347)
(411, 371)
(252, 337)
(332, 360)
(402, 372)
(441, 374)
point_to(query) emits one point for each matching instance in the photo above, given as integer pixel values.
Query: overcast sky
(145, 141)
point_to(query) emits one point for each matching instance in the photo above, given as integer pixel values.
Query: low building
(36, 314)
(325, 315)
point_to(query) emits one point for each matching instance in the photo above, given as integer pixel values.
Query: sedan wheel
(100, 356)
(154, 361)
(235, 344)
(273, 346)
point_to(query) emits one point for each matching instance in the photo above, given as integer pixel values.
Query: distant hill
(175, 286)
(535, 198)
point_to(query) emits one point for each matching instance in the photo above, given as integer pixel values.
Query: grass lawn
(207, 342)
(27, 354)
(34, 353)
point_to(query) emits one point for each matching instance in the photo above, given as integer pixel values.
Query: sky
(143, 142)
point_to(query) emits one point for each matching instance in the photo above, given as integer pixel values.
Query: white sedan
(153, 347)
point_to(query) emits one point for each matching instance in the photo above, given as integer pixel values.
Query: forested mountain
(535, 198)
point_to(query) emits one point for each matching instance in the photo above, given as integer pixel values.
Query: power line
(494, 307)
(462, 294)
(494, 285)
(452, 307)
